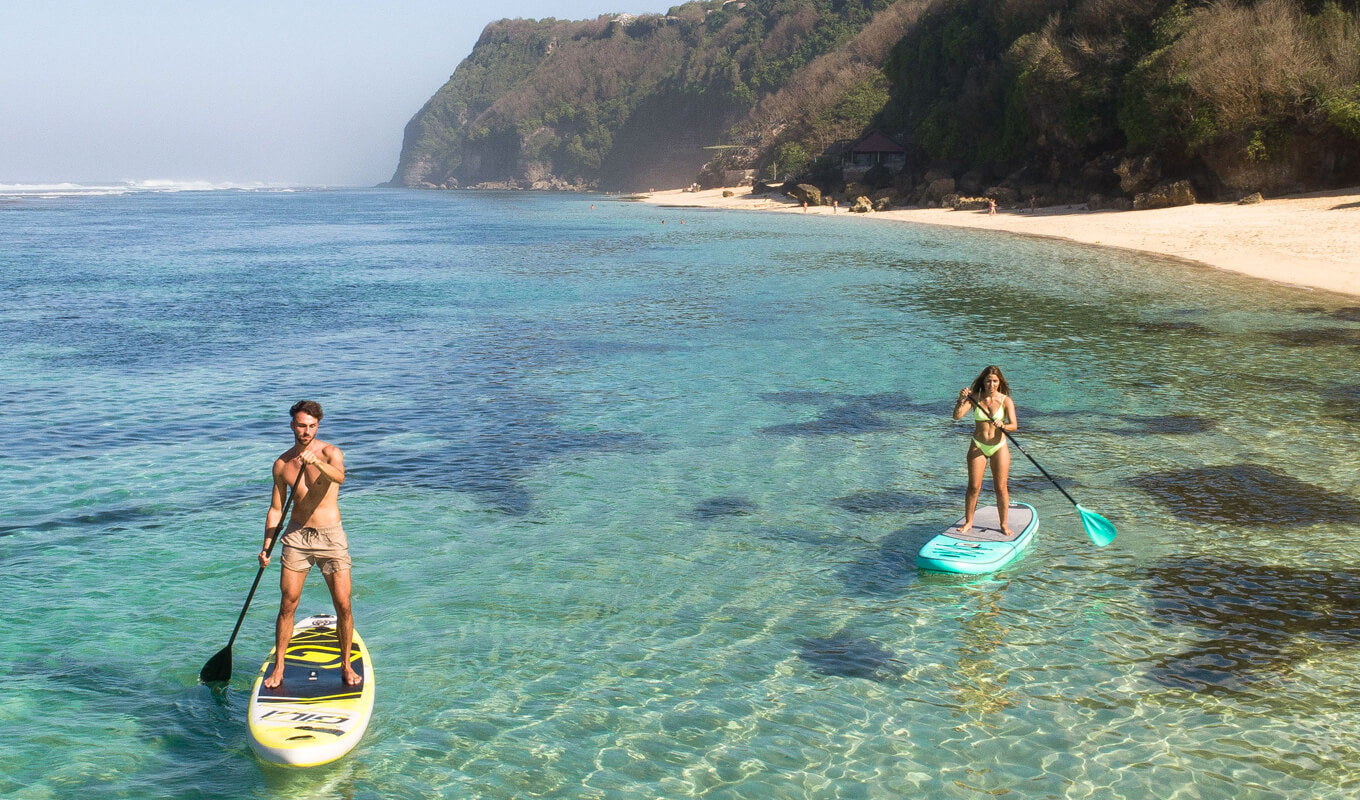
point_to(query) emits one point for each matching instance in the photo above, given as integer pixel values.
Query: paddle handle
(1008, 435)
(278, 534)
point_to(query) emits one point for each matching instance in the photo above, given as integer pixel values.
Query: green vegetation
(617, 101)
(1077, 96)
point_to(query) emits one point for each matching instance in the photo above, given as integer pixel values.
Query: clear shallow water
(634, 505)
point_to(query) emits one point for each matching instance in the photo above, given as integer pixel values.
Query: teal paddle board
(983, 549)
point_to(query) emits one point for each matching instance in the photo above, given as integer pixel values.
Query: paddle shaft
(978, 403)
(278, 534)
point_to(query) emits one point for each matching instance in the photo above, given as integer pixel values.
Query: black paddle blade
(218, 668)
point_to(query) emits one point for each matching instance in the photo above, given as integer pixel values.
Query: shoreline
(1308, 240)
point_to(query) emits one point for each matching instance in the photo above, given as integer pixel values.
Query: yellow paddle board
(313, 717)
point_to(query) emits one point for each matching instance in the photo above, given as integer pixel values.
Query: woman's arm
(962, 405)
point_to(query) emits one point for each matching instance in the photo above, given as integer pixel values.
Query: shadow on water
(1257, 620)
(846, 654)
(891, 567)
(1246, 495)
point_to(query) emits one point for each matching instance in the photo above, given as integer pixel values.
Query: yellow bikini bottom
(989, 450)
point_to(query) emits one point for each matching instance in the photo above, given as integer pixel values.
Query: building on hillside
(857, 156)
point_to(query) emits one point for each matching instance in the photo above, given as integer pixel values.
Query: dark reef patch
(1317, 337)
(1178, 328)
(1246, 494)
(715, 507)
(845, 655)
(116, 518)
(802, 536)
(1343, 401)
(1171, 425)
(848, 414)
(885, 502)
(1257, 620)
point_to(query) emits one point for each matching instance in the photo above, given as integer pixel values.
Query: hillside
(1063, 99)
(617, 102)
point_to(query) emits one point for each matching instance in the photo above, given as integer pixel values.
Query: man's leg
(339, 584)
(290, 587)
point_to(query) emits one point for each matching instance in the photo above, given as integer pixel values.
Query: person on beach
(993, 414)
(313, 534)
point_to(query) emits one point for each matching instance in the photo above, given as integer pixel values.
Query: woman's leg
(977, 465)
(1001, 470)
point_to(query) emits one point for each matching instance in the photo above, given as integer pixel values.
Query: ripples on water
(635, 507)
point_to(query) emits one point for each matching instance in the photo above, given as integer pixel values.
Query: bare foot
(351, 677)
(1007, 530)
(275, 678)
(965, 527)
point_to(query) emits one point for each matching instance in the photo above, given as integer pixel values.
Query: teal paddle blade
(1100, 530)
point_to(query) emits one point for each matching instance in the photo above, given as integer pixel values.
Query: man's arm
(331, 463)
(274, 517)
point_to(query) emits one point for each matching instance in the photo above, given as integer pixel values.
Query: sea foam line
(70, 189)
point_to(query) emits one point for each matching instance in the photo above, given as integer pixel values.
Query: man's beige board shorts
(303, 547)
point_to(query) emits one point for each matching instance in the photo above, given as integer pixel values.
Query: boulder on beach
(806, 193)
(1166, 195)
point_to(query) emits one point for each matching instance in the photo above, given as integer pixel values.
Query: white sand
(1310, 240)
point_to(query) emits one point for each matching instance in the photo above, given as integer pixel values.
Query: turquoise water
(634, 503)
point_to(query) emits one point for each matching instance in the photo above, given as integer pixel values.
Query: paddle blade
(218, 668)
(1100, 530)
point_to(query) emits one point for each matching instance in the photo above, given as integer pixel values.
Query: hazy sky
(298, 92)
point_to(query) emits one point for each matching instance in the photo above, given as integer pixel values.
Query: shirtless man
(313, 535)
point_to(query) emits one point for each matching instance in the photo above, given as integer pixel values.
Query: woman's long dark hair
(1004, 388)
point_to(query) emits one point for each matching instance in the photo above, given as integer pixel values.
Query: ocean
(634, 495)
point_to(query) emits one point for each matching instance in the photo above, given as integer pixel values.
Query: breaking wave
(15, 191)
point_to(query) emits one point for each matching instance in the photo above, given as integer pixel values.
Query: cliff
(1064, 99)
(619, 102)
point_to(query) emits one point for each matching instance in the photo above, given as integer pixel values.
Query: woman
(993, 413)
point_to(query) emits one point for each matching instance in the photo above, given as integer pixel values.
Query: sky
(239, 92)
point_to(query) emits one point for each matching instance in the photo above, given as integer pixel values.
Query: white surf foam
(66, 189)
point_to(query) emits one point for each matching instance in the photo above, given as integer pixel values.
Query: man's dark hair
(310, 407)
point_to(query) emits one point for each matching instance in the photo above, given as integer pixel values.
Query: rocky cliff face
(619, 102)
(1061, 100)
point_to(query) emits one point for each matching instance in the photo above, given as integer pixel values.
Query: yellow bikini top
(982, 416)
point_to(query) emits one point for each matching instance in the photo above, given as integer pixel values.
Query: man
(313, 534)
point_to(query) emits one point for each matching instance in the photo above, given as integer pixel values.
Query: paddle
(218, 668)
(1100, 530)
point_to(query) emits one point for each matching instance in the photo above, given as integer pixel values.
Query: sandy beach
(1310, 240)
